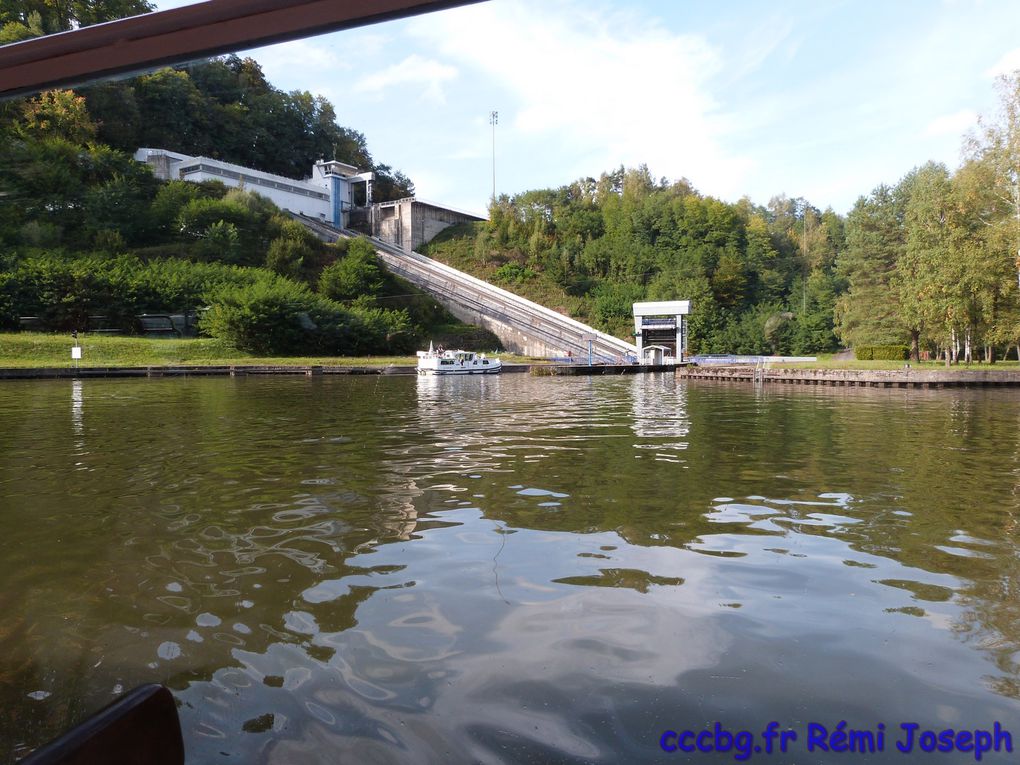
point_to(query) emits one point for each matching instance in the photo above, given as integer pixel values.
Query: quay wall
(237, 370)
(873, 378)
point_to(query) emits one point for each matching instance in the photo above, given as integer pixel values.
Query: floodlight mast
(493, 120)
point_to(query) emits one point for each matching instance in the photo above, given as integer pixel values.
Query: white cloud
(1008, 64)
(763, 41)
(611, 87)
(413, 70)
(290, 60)
(955, 124)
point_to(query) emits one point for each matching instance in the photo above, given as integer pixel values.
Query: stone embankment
(870, 378)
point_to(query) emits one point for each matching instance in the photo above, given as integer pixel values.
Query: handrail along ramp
(498, 308)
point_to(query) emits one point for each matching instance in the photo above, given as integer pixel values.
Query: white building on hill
(327, 195)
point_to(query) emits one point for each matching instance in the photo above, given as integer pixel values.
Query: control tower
(660, 331)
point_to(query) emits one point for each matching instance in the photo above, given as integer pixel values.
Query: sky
(823, 100)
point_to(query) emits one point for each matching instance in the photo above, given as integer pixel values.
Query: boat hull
(450, 372)
(442, 363)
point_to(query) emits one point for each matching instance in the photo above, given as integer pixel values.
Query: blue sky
(823, 99)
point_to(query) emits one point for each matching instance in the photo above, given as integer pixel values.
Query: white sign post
(76, 355)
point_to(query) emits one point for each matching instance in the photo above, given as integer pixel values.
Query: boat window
(486, 361)
(446, 361)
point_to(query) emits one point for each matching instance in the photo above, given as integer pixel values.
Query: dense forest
(223, 108)
(760, 279)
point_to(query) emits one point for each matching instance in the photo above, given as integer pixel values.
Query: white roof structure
(663, 308)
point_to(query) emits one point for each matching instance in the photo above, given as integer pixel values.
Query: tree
(997, 143)
(813, 332)
(50, 16)
(118, 205)
(763, 261)
(287, 257)
(56, 114)
(114, 109)
(869, 312)
(175, 114)
(12, 31)
(358, 273)
(929, 295)
(171, 198)
(990, 183)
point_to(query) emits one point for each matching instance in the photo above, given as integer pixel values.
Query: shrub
(8, 312)
(63, 291)
(261, 207)
(220, 243)
(613, 302)
(280, 317)
(199, 215)
(171, 250)
(282, 227)
(513, 273)
(384, 331)
(117, 205)
(287, 257)
(882, 352)
(466, 337)
(41, 234)
(108, 240)
(359, 273)
(171, 198)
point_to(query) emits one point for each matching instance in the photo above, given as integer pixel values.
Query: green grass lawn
(36, 349)
(33, 349)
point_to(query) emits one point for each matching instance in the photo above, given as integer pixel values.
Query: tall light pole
(494, 120)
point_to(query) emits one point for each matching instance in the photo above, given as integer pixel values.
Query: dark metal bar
(184, 34)
(140, 727)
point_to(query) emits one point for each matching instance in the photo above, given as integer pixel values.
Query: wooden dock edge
(879, 378)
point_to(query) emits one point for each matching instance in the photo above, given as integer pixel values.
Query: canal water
(510, 569)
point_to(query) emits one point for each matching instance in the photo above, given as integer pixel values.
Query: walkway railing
(448, 284)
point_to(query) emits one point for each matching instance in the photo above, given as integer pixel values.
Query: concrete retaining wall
(513, 340)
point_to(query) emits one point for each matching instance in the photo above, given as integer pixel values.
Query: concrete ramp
(522, 326)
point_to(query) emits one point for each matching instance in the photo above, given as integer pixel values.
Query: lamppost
(494, 120)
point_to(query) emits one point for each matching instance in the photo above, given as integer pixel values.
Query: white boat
(440, 362)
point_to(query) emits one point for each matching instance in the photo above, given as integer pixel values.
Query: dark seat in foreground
(139, 728)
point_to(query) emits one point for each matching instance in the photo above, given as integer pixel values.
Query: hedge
(63, 292)
(882, 352)
(280, 318)
(252, 309)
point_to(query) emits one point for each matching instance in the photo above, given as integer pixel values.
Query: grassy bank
(31, 349)
(35, 349)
